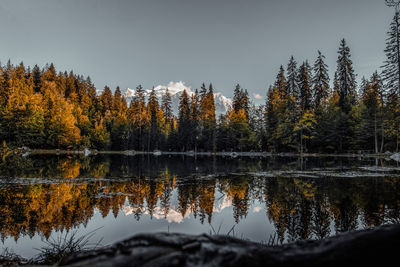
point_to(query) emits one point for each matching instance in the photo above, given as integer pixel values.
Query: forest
(304, 112)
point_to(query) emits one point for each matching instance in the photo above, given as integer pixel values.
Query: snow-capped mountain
(222, 103)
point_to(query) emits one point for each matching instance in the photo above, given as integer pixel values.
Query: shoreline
(88, 152)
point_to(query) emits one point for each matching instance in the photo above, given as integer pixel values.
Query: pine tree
(184, 130)
(166, 106)
(270, 117)
(195, 118)
(154, 133)
(246, 103)
(373, 100)
(363, 86)
(50, 73)
(106, 99)
(345, 78)
(241, 101)
(5, 87)
(36, 76)
(304, 80)
(320, 81)
(292, 86)
(210, 106)
(70, 85)
(237, 95)
(138, 119)
(203, 91)
(280, 83)
(391, 67)
(117, 102)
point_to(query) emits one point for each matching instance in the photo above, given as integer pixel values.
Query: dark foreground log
(376, 247)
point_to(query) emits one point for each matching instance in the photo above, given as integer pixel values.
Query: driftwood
(376, 247)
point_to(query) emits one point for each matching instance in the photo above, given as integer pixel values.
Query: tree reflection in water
(40, 194)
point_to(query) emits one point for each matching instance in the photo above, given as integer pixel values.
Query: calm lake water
(43, 197)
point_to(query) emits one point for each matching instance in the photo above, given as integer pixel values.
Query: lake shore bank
(355, 248)
(88, 152)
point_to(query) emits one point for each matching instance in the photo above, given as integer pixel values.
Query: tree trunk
(375, 135)
(301, 142)
(398, 51)
(383, 137)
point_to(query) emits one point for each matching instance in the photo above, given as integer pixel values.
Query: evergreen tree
(281, 116)
(184, 130)
(106, 99)
(203, 92)
(292, 86)
(304, 79)
(237, 94)
(138, 119)
(246, 103)
(257, 125)
(5, 87)
(153, 110)
(391, 67)
(320, 81)
(36, 76)
(166, 106)
(280, 83)
(241, 101)
(118, 108)
(209, 112)
(345, 78)
(195, 118)
(373, 101)
(270, 118)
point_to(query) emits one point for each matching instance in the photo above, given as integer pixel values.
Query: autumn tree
(208, 119)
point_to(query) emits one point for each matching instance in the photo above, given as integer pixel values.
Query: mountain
(222, 103)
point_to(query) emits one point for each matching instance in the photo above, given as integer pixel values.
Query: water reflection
(301, 199)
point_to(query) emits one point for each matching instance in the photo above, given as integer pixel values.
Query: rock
(376, 247)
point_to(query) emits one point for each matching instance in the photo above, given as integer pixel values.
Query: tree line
(41, 108)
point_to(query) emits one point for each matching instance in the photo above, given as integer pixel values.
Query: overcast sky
(153, 42)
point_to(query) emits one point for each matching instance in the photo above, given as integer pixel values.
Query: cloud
(257, 96)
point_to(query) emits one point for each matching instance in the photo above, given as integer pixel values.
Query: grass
(9, 258)
(272, 239)
(217, 232)
(56, 249)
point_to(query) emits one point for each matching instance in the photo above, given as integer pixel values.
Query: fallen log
(373, 247)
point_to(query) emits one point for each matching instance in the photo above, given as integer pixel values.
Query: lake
(43, 197)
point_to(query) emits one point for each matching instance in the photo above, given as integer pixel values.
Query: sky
(153, 42)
